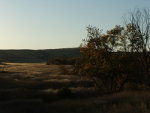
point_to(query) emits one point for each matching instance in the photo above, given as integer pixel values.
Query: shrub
(61, 61)
(65, 92)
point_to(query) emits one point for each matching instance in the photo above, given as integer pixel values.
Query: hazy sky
(46, 24)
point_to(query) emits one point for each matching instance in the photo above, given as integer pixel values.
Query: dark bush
(61, 61)
(65, 92)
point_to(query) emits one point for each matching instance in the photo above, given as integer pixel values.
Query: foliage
(118, 56)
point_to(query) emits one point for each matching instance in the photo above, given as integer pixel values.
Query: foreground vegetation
(37, 87)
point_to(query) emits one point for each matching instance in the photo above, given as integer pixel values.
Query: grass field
(41, 88)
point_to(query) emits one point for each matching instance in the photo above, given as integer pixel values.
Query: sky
(50, 24)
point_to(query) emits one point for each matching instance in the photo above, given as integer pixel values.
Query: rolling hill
(36, 55)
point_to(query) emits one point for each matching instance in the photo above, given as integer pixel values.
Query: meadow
(41, 88)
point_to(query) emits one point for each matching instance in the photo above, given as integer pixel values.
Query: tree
(122, 53)
(138, 34)
(100, 60)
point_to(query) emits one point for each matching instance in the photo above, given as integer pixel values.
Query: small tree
(113, 58)
(100, 60)
(138, 35)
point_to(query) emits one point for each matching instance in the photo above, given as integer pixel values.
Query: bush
(65, 92)
(61, 61)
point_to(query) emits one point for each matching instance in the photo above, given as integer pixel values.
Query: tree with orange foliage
(113, 58)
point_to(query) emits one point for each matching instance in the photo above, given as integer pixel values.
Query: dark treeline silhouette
(37, 55)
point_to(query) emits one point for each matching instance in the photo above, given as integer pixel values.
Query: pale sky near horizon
(48, 24)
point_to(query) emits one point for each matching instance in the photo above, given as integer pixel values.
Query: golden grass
(35, 88)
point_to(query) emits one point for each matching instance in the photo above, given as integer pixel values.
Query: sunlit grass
(37, 87)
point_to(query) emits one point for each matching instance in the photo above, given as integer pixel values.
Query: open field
(41, 88)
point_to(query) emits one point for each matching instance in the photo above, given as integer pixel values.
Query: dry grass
(40, 88)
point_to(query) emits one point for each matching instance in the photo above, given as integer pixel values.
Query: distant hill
(36, 55)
